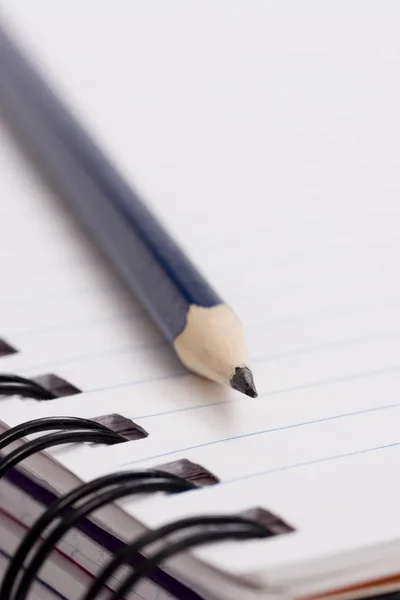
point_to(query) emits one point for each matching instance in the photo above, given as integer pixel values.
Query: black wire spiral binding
(116, 486)
(48, 424)
(63, 506)
(14, 385)
(229, 527)
(56, 439)
(69, 510)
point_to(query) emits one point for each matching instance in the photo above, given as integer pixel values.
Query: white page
(282, 123)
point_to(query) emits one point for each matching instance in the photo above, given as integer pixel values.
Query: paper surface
(267, 138)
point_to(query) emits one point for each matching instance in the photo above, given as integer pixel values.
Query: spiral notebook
(266, 136)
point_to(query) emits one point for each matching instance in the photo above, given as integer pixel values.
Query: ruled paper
(267, 139)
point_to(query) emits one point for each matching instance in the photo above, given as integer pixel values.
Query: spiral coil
(69, 510)
(14, 385)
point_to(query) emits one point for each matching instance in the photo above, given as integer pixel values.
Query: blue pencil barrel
(152, 264)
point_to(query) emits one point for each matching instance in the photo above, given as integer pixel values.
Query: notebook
(265, 135)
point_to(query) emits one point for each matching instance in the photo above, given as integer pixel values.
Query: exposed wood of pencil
(212, 344)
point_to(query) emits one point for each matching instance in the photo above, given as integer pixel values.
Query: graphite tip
(243, 381)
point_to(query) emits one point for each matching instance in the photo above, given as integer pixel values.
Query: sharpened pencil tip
(243, 381)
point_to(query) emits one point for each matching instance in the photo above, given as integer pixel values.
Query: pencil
(204, 331)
